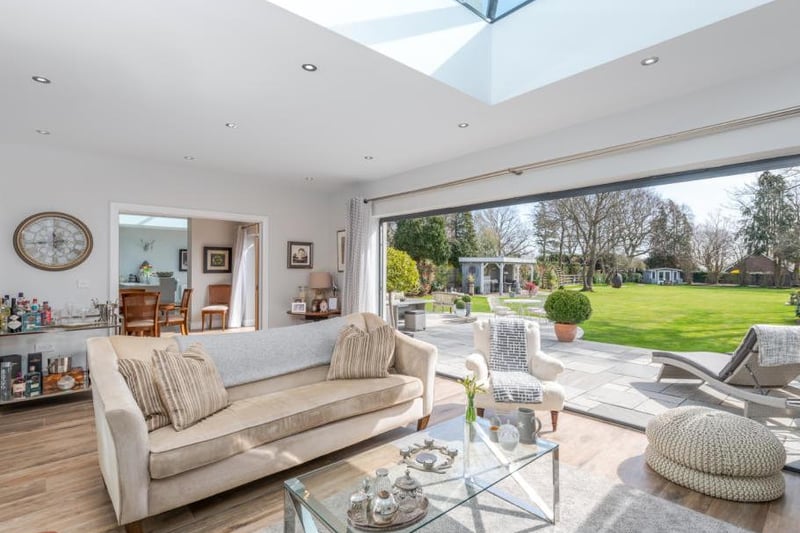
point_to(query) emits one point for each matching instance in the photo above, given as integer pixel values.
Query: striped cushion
(138, 375)
(189, 385)
(359, 354)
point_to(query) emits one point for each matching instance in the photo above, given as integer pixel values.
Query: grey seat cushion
(251, 422)
(736, 488)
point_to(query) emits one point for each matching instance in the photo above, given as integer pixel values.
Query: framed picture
(340, 241)
(216, 259)
(183, 260)
(298, 307)
(299, 255)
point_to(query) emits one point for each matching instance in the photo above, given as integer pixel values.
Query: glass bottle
(381, 481)
(5, 312)
(18, 386)
(33, 382)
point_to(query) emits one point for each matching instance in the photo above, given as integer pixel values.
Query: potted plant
(461, 307)
(471, 284)
(567, 309)
(467, 299)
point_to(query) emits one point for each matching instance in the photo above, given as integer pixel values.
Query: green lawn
(684, 317)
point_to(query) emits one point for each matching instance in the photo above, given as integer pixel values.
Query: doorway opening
(212, 254)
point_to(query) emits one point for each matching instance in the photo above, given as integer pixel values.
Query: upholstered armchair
(544, 367)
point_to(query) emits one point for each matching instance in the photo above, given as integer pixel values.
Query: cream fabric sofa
(541, 365)
(270, 425)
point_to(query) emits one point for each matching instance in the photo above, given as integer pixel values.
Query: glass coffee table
(323, 496)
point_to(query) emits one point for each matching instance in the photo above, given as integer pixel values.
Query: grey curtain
(360, 292)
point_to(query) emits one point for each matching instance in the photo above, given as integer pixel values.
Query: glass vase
(471, 415)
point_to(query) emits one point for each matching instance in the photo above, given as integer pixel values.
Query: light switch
(83, 283)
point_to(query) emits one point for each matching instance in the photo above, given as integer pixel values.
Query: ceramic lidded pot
(407, 489)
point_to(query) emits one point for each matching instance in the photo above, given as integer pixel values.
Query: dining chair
(183, 313)
(122, 292)
(219, 297)
(141, 313)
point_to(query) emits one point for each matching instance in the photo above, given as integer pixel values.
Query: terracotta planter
(566, 332)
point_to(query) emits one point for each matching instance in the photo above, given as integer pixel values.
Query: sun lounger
(765, 387)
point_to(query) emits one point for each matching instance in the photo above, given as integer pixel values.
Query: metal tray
(401, 518)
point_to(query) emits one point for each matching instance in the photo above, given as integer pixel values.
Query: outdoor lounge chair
(765, 389)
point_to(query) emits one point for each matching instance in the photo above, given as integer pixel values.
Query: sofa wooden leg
(422, 423)
(480, 411)
(554, 419)
(134, 527)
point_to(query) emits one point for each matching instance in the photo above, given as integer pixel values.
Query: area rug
(589, 503)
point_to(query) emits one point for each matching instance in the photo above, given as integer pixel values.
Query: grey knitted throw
(246, 357)
(508, 363)
(777, 345)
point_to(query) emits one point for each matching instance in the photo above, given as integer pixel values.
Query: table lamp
(319, 281)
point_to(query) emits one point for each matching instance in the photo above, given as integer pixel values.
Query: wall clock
(52, 241)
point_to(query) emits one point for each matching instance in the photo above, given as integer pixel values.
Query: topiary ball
(568, 307)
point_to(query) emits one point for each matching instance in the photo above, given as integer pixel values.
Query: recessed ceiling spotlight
(40, 79)
(189, 157)
(231, 125)
(464, 125)
(309, 67)
(368, 157)
(647, 61)
(43, 132)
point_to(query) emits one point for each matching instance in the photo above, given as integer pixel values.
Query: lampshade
(320, 280)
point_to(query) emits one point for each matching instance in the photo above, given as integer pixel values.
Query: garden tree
(425, 240)
(552, 235)
(401, 272)
(636, 210)
(461, 233)
(592, 219)
(713, 246)
(501, 232)
(769, 220)
(671, 238)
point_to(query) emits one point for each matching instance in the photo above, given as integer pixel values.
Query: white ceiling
(158, 80)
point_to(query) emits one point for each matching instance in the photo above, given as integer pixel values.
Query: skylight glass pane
(492, 10)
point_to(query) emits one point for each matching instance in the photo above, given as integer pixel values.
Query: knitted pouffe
(716, 453)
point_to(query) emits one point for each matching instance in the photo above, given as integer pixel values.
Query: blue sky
(705, 197)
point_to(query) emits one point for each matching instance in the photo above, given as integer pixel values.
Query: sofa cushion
(359, 354)
(138, 375)
(251, 422)
(189, 385)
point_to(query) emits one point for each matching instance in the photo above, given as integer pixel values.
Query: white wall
(163, 255)
(36, 178)
(207, 233)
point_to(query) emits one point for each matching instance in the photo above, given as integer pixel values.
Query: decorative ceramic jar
(384, 507)
(508, 436)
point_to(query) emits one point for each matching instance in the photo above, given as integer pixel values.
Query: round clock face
(53, 241)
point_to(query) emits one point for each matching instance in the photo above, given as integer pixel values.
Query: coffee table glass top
(325, 492)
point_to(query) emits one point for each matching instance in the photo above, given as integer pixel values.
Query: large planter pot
(468, 309)
(566, 332)
(460, 312)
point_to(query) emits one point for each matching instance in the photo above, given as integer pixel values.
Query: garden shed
(663, 276)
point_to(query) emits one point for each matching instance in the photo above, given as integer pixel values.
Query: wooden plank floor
(50, 480)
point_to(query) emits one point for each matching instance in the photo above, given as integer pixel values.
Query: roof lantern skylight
(493, 10)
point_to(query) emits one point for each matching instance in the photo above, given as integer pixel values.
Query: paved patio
(606, 380)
